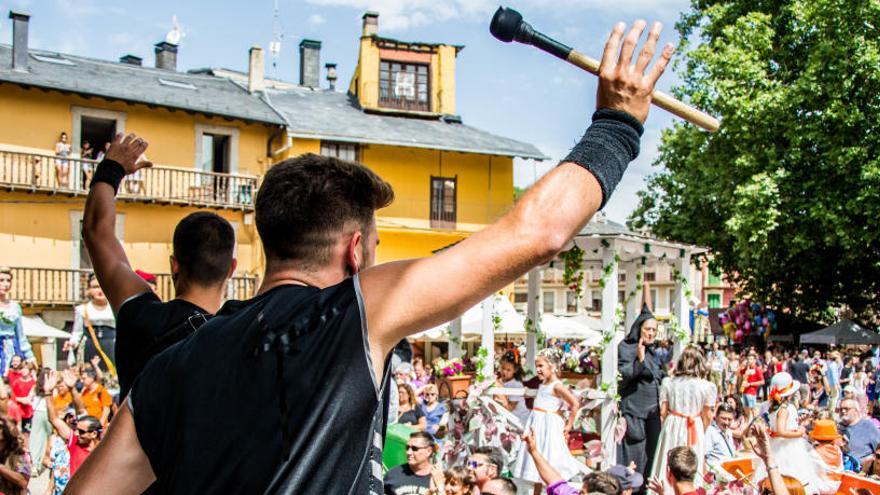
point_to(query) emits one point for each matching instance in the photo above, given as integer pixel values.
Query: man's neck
(681, 487)
(207, 298)
(289, 273)
(422, 469)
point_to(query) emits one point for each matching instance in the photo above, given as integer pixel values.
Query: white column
(634, 307)
(680, 312)
(455, 350)
(609, 357)
(488, 333)
(533, 316)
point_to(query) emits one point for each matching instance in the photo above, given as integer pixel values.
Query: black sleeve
(133, 310)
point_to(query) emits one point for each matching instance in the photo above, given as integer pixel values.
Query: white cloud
(317, 19)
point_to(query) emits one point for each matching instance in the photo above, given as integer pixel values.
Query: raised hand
(50, 382)
(70, 379)
(655, 485)
(626, 86)
(529, 438)
(128, 151)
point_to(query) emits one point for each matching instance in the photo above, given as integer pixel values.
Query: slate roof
(307, 113)
(88, 76)
(322, 114)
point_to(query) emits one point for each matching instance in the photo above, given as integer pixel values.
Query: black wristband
(108, 172)
(609, 144)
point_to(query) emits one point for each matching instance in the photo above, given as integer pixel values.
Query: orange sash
(691, 425)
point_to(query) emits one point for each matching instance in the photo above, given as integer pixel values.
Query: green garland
(678, 333)
(573, 273)
(480, 364)
(540, 337)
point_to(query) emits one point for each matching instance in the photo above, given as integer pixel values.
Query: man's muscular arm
(117, 279)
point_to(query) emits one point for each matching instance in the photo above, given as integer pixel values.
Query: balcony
(34, 172)
(67, 287)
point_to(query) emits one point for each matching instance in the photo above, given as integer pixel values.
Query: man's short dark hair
(682, 463)
(508, 487)
(494, 456)
(602, 483)
(203, 246)
(424, 436)
(305, 203)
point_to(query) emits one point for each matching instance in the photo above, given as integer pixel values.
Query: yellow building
(213, 133)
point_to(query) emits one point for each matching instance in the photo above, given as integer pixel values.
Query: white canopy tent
(43, 338)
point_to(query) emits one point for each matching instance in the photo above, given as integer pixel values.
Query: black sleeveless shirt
(273, 395)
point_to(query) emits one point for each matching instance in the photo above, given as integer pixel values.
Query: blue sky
(511, 90)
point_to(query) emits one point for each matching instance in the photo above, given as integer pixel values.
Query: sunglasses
(415, 448)
(81, 432)
(475, 465)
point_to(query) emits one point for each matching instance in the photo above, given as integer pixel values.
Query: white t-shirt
(520, 411)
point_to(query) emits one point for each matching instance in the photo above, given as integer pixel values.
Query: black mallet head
(508, 25)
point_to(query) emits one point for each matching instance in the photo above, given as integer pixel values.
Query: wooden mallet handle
(659, 98)
(508, 25)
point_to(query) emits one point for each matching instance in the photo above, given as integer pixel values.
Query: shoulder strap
(178, 332)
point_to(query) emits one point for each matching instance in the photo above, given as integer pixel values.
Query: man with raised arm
(307, 358)
(201, 263)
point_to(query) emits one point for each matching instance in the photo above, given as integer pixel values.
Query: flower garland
(573, 273)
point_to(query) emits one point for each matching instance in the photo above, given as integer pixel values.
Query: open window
(444, 206)
(404, 86)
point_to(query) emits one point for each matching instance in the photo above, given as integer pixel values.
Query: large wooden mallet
(508, 25)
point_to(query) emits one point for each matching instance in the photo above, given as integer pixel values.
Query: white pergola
(604, 242)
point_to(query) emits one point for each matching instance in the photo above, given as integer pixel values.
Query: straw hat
(824, 430)
(783, 385)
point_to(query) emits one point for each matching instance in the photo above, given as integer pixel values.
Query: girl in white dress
(687, 402)
(791, 450)
(549, 428)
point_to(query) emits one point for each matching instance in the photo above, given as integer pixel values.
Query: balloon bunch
(747, 318)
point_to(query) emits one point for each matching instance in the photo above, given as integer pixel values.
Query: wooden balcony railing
(67, 287)
(166, 185)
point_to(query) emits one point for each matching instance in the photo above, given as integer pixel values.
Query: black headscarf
(635, 331)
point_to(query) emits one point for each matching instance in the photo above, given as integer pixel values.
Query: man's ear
(175, 266)
(354, 252)
(232, 268)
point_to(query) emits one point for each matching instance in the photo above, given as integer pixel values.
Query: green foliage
(573, 272)
(787, 193)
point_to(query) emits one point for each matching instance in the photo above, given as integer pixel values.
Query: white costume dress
(548, 425)
(795, 456)
(685, 398)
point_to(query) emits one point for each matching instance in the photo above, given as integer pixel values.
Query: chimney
(166, 56)
(310, 63)
(19, 40)
(131, 60)
(331, 75)
(371, 23)
(255, 69)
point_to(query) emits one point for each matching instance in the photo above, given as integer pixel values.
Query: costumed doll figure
(12, 339)
(94, 329)
(639, 387)
(549, 427)
(791, 450)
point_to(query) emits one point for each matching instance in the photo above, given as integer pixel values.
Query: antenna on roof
(176, 34)
(277, 36)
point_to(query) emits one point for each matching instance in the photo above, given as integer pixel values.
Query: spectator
(628, 478)
(149, 278)
(719, 442)
(455, 481)
(799, 368)
(421, 377)
(435, 412)
(833, 368)
(499, 486)
(41, 428)
(62, 166)
(15, 468)
(13, 372)
(824, 433)
(94, 328)
(23, 394)
(595, 482)
(862, 434)
(414, 477)
(681, 468)
(96, 398)
(82, 439)
(510, 375)
(58, 459)
(409, 411)
(86, 152)
(486, 463)
(752, 379)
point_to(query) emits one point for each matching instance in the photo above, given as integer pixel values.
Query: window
(654, 301)
(650, 277)
(520, 297)
(714, 278)
(403, 86)
(621, 296)
(343, 151)
(443, 202)
(215, 153)
(714, 301)
(596, 300)
(571, 303)
(549, 302)
(621, 278)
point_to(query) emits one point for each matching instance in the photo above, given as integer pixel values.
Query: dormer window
(404, 86)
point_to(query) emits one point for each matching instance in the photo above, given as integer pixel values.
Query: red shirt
(756, 376)
(21, 389)
(78, 453)
(13, 375)
(13, 410)
(698, 491)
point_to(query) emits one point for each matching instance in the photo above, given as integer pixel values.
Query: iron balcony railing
(67, 287)
(36, 172)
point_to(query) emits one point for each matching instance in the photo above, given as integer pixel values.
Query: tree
(787, 193)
